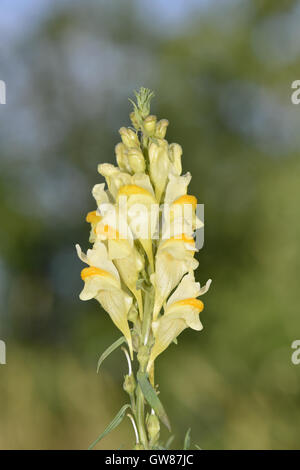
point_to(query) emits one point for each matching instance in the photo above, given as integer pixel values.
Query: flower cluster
(142, 261)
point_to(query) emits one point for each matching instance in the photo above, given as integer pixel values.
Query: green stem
(145, 337)
(140, 418)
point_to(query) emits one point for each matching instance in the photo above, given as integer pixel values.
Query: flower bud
(129, 384)
(161, 128)
(149, 125)
(159, 166)
(153, 428)
(129, 137)
(175, 153)
(136, 160)
(143, 356)
(122, 158)
(134, 120)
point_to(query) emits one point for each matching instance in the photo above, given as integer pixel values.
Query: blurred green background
(222, 74)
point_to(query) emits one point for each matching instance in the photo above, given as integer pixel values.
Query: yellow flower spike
(141, 264)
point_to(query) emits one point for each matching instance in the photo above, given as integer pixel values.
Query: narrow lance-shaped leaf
(114, 423)
(169, 441)
(187, 440)
(109, 350)
(152, 398)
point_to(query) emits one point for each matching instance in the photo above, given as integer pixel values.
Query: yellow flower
(142, 217)
(115, 178)
(181, 311)
(93, 218)
(176, 187)
(159, 166)
(102, 282)
(123, 252)
(174, 258)
(100, 194)
(180, 217)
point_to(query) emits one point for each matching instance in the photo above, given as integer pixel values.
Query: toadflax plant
(141, 264)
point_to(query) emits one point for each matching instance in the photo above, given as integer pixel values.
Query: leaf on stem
(187, 440)
(169, 441)
(114, 423)
(152, 398)
(109, 350)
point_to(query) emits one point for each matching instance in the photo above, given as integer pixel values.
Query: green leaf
(187, 440)
(109, 350)
(114, 423)
(152, 398)
(169, 441)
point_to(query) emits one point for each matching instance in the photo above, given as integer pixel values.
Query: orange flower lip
(187, 199)
(93, 217)
(182, 238)
(192, 302)
(133, 189)
(108, 231)
(93, 271)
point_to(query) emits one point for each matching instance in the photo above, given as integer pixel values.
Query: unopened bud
(149, 125)
(134, 120)
(122, 158)
(161, 128)
(129, 137)
(129, 384)
(143, 356)
(153, 428)
(136, 160)
(175, 153)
